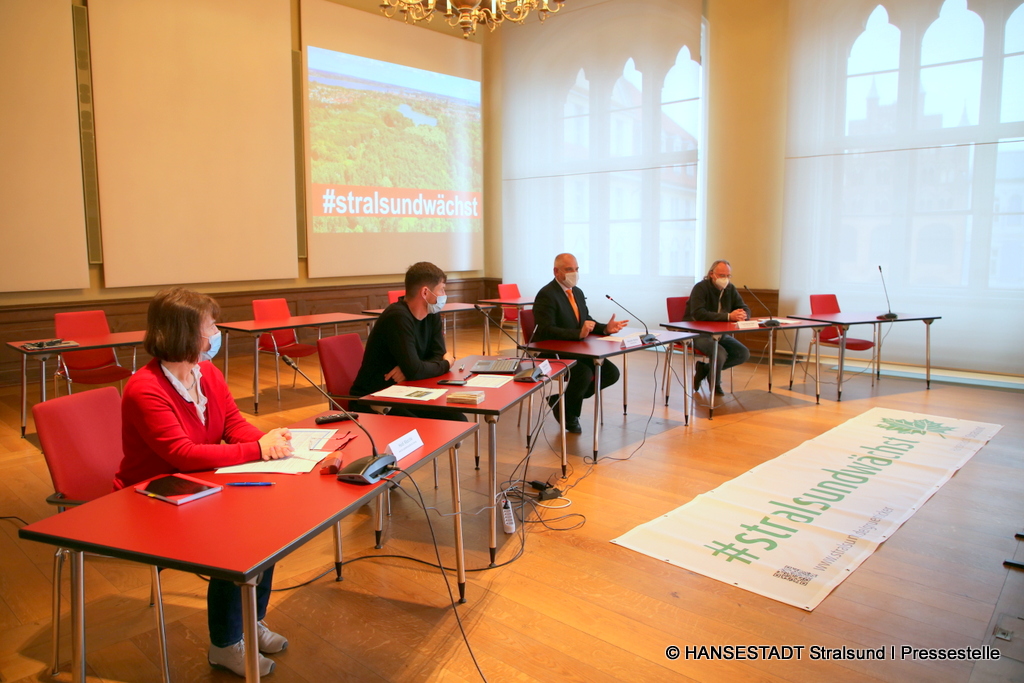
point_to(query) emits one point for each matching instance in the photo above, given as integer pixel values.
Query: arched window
(626, 113)
(680, 105)
(951, 54)
(1013, 68)
(677, 184)
(576, 125)
(872, 77)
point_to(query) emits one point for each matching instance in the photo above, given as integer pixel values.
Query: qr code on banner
(795, 575)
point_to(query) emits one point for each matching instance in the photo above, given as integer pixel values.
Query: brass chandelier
(467, 14)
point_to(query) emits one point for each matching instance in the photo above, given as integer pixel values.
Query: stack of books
(472, 397)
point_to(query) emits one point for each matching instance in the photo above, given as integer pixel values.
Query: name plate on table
(748, 324)
(545, 368)
(631, 341)
(404, 445)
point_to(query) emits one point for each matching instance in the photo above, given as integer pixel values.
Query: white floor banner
(793, 528)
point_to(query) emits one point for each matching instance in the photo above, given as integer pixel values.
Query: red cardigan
(161, 432)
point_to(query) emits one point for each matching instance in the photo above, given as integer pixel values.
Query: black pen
(250, 483)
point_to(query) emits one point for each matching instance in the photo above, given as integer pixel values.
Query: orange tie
(572, 302)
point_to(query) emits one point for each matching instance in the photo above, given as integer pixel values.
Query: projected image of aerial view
(392, 148)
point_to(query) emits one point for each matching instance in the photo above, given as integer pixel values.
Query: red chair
(526, 324)
(80, 436)
(279, 342)
(831, 336)
(676, 313)
(340, 359)
(394, 295)
(509, 314)
(95, 366)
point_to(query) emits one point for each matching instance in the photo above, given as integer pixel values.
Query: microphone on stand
(646, 337)
(890, 315)
(367, 470)
(770, 322)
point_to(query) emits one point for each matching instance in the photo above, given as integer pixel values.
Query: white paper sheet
(412, 393)
(493, 381)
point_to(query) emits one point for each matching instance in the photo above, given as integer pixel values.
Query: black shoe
(718, 390)
(572, 425)
(703, 370)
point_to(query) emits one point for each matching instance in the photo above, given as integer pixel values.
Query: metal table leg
(597, 405)
(460, 557)
(256, 375)
(842, 360)
(492, 462)
(252, 648)
(77, 616)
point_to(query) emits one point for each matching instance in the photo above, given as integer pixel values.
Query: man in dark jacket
(406, 342)
(560, 311)
(715, 298)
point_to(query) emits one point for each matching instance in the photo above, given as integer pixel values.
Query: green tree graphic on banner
(914, 426)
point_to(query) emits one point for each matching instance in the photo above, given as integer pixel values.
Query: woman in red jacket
(178, 416)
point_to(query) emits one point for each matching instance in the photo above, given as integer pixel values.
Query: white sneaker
(269, 641)
(232, 658)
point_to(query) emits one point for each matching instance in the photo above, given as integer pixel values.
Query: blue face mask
(437, 307)
(214, 345)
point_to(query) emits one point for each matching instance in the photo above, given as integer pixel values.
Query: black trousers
(224, 608)
(581, 384)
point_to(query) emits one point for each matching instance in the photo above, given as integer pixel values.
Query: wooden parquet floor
(567, 604)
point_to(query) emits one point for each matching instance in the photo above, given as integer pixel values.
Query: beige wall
(748, 63)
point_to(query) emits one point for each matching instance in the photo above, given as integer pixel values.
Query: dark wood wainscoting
(19, 323)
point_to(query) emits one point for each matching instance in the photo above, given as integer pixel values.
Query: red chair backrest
(526, 324)
(80, 435)
(81, 324)
(510, 291)
(824, 304)
(395, 294)
(340, 357)
(273, 309)
(676, 308)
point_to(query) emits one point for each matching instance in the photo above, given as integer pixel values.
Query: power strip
(508, 517)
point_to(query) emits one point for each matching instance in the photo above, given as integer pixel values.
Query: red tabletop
(102, 341)
(292, 322)
(519, 301)
(717, 327)
(239, 532)
(862, 318)
(496, 399)
(450, 307)
(596, 347)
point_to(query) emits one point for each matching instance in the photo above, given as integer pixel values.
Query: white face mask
(721, 282)
(215, 340)
(432, 308)
(571, 279)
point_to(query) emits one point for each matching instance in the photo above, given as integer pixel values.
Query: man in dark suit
(715, 298)
(560, 311)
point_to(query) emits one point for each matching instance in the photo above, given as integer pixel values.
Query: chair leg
(157, 598)
(277, 370)
(435, 473)
(58, 565)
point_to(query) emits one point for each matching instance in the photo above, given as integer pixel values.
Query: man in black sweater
(406, 342)
(715, 298)
(560, 311)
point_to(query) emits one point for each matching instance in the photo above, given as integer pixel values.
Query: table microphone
(890, 315)
(367, 470)
(770, 322)
(646, 337)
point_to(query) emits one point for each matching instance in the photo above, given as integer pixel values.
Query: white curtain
(603, 113)
(905, 150)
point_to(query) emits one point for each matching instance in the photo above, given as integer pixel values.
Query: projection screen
(393, 135)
